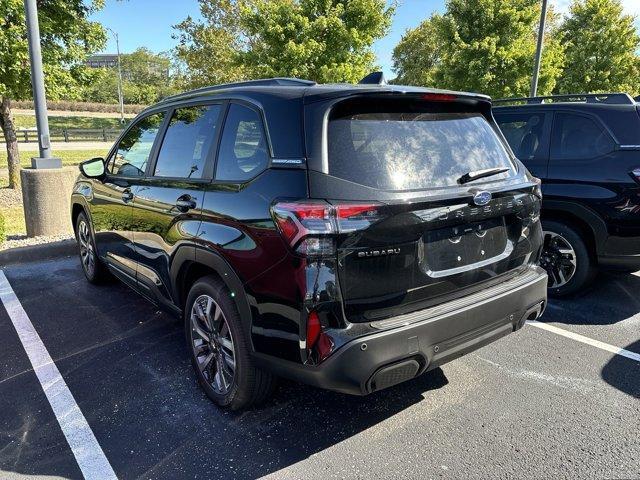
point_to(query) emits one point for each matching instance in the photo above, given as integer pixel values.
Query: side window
(187, 143)
(243, 148)
(576, 137)
(524, 133)
(132, 156)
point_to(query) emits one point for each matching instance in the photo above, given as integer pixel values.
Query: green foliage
(67, 35)
(601, 46)
(488, 46)
(3, 229)
(418, 54)
(207, 50)
(322, 40)
(145, 75)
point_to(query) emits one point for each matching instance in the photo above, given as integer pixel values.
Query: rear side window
(188, 141)
(524, 132)
(407, 151)
(577, 137)
(243, 148)
(132, 156)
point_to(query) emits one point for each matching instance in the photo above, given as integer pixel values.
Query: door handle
(185, 203)
(127, 196)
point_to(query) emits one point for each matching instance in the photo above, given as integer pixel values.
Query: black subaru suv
(586, 150)
(348, 236)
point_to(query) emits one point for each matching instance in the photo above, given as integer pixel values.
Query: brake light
(439, 97)
(310, 226)
(635, 174)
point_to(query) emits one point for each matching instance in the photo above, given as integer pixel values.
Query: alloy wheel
(212, 344)
(558, 259)
(87, 253)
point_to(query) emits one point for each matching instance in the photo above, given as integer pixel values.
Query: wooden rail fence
(72, 135)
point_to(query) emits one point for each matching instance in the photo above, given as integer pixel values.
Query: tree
(489, 47)
(481, 45)
(601, 45)
(323, 40)
(207, 50)
(146, 79)
(418, 54)
(66, 37)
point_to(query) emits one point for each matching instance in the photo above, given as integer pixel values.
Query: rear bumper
(423, 340)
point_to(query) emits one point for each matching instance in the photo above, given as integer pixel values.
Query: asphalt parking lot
(535, 404)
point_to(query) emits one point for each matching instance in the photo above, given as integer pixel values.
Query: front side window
(577, 137)
(413, 150)
(132, 156)
(243, 148)
(188, 141)
(524, 132)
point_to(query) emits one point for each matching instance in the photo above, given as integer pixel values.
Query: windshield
(407, 151)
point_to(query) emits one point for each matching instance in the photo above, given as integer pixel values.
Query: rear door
(528, 134)
(168, 203)
(416, 234)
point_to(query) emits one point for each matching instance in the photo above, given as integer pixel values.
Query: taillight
(635, 174)
(310, 226)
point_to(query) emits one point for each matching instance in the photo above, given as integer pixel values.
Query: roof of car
(294, 87)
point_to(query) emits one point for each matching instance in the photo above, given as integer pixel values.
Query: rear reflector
(313, 329)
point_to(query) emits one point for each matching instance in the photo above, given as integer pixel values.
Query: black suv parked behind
(586, 150)
(347, 236)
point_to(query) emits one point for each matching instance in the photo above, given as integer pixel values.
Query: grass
(60, 123)
(69, 157)
(14, 220)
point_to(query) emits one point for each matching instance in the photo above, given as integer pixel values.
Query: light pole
(536, 67)
(37, 85)
(120, 95)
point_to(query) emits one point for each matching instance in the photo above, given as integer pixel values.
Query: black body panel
(594, 188)
(444, 250)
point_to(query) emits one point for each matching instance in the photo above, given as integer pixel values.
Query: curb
(37, 253)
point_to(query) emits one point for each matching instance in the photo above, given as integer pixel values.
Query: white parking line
(87, 451)
(589, 341)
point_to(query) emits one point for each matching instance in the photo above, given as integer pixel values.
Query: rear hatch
(412, 232)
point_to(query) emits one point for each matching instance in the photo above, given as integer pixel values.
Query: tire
(94, 270)
(560, 237)
(241, 384)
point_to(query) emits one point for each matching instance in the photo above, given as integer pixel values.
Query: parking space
(533, 404)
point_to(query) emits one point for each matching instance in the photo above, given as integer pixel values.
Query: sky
(147, 23)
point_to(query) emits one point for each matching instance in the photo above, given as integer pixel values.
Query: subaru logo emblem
(481, 198)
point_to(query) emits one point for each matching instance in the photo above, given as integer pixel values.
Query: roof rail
(263, 82)
(606, 98)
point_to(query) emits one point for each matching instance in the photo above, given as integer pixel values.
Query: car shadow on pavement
(611, 298)
(622, 373)
(128, 369)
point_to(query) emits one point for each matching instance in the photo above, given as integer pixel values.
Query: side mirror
(93, 168)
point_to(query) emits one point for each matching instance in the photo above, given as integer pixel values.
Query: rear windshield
(408, 151)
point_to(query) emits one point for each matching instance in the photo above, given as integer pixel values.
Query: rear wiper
(489, 172)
